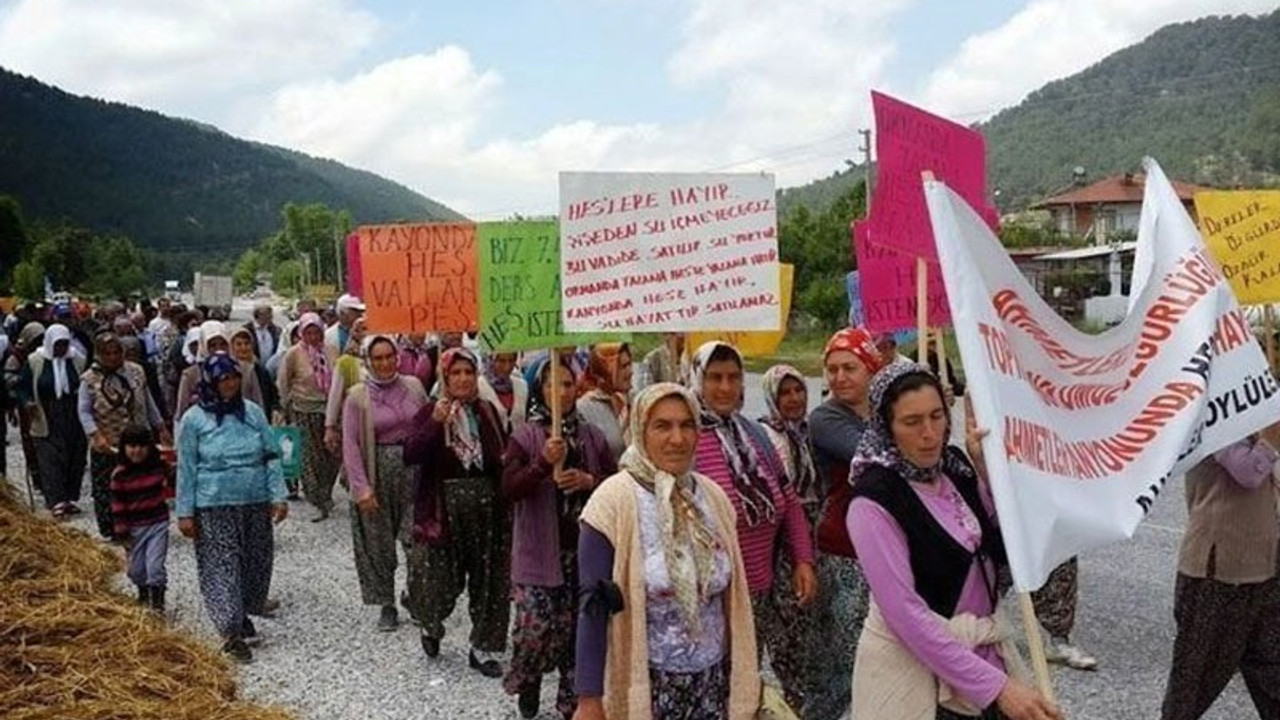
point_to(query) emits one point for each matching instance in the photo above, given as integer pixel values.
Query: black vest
(939, 564)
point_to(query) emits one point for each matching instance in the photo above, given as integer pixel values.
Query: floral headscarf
(462, 427)
(740, 452)
(796, 431)
(501, 384)
(689, 540)
(216, 367)
(859, 342)
(320, 364)
(876, 447)
(601, 377)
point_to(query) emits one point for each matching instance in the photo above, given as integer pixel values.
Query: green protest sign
(520, 288)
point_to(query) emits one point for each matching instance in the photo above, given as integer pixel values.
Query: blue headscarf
(216, 367)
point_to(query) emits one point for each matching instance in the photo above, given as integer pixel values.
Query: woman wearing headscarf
(376, 422)
(786, 396)
(416, 359)
(548, 480)
(213, 339)
(507, 391)
(735, 452)
(850, 359)
(113, 395)
(348, 370)
(306, 373)
(230, 490)
(606, 386)
(243, 343)
(665, 627)
(459, 515)
(27, 344)
(136, 352)
(272, 363)
(923, 524)
(48, 388)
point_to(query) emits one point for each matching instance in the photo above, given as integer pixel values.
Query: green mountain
(169, 184)
(1202, 97)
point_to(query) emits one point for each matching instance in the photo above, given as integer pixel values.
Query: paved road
(323, 660)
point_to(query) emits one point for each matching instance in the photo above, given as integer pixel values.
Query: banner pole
(922, 298)
(1035, 643)
(1269, 327)
(943, 375)
(557, 412)
(922, 310)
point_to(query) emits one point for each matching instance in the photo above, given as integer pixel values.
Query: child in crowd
(141, 514)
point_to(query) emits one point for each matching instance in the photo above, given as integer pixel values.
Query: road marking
(1163, 528)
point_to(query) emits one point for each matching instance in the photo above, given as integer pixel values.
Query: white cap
(350, 302)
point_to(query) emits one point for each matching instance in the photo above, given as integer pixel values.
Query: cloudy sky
(479, 104)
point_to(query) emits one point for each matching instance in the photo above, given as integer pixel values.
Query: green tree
(13, 239)
(245, 275)
(119, 268)
(1262, 141)
(28, 281)
(286, 277)
(820, 248)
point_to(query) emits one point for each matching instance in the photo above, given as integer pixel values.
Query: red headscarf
(859, 342)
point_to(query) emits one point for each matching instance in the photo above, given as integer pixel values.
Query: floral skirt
(690, 696)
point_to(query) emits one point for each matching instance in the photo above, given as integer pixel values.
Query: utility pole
(866, 164)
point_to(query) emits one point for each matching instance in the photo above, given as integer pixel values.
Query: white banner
(1086, 429)
(648, 252)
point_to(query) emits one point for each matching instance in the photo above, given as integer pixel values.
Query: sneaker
(389, 619)
(238, 650)
(1062, 652)
(250, 634)
(321, 516)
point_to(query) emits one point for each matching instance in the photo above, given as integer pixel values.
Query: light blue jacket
(235, 463)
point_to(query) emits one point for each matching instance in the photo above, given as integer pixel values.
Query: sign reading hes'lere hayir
(669, 252)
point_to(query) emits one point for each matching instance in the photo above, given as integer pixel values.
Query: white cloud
(795, 76)
(174, 54)
(1051, 39)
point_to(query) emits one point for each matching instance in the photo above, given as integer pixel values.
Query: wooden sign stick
(1269, 328)
(922, 299)
(557, 412)
(943, 375)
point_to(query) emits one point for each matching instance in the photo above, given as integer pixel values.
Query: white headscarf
(192, 336)
(209, 330)
(61, 381)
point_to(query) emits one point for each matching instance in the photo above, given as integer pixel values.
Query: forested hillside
(170, 185)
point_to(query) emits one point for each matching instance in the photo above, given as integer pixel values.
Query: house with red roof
(1106, 207)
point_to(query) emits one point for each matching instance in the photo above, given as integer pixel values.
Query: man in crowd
(265, 333)
(336, 337)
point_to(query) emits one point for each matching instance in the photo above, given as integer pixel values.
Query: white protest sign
(1086, 429)
(650, 252)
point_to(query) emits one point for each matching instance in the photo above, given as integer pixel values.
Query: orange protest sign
(420, 278)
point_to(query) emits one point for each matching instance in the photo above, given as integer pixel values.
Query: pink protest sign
(355, 274)
(887, 285)
(910, 141)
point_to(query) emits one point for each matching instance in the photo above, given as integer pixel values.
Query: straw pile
(70, 647)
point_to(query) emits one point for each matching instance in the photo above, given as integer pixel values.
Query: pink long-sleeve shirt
(1248, 463)
(393, 408)
(757, 543)
(977, 675)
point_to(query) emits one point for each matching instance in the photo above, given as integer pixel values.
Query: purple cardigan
(526, 483)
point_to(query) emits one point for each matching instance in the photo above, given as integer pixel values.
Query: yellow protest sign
(762, 343)
(1242, 230)
(323, 293)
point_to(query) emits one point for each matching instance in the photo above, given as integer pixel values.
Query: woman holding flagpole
(924, 527)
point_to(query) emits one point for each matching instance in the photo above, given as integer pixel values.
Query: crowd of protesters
(635, 533)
